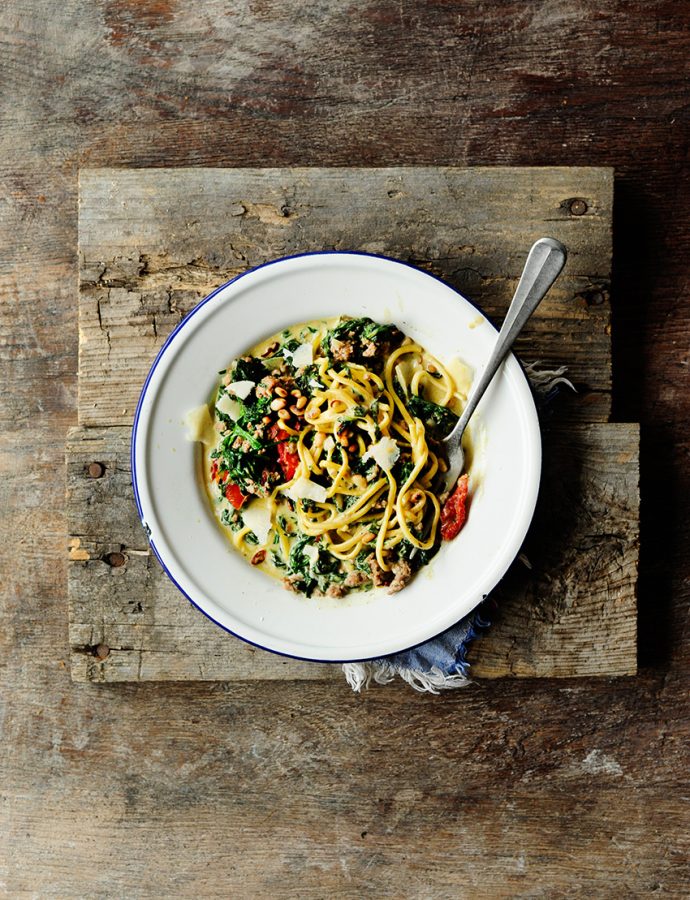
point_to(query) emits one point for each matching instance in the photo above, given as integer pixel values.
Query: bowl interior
(173, 505)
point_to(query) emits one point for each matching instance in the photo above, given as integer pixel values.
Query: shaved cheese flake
(303, 356)
(199, 425)
(385, 452)
(230, 407)
(241, 389)
(304, 489)
(329, 443)
(312, 554)
(258, 518)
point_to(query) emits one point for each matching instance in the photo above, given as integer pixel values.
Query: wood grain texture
(515, 788)
(570, 607)
(154, 242)
(572, 614)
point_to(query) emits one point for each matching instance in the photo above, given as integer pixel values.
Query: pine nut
(283, 414)
(277, 404)
(281, 392)
(266, 420)
(319, 438)
(296, 392)
(368, 537)
(296, 411)
(301, 402)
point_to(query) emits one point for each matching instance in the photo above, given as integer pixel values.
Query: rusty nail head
(115, 560)
(102, 650)
(578, 207)
(596, 298)
(96, 470)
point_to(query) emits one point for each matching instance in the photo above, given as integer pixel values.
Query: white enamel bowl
(176, 513)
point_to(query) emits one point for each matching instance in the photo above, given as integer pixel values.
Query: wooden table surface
(532, 788)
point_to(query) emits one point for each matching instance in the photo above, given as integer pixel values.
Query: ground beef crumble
(342, 350)
(380, 577)
(356, 579)
(402, 572)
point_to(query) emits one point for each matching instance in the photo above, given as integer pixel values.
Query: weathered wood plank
(574, 610)
(572, 614)
(154, 242)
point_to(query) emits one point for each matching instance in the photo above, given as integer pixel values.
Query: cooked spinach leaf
(319, 573)
(309, 381)
(249, 369)
(361, 333)
(438, 420)
(421, 557)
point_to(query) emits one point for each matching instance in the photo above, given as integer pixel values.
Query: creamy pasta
(327, 458)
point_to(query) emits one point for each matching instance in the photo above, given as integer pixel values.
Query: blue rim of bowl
(159, 356)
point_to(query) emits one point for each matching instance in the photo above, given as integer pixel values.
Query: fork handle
(543, 266)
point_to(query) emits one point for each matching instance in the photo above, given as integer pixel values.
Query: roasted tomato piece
(235, 496)
(454, 510)
(288, 457)
(215, 476)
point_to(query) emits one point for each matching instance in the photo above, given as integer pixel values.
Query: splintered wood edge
(135, 287)
(129, 623)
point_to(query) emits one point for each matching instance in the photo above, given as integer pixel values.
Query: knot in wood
(578, 207)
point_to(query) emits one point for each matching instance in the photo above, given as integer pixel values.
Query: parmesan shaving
(199, 425)
(385, 452)
(241, 389)
(312, 554)
(230, 407)
(303, 356)
(304, 489)
(258, 518)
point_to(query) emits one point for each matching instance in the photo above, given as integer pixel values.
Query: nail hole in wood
(116, 560)
(578, 207)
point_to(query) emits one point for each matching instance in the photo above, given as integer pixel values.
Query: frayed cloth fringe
(359, 675)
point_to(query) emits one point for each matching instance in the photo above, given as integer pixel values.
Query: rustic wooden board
(573, 613)
(154, 241)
